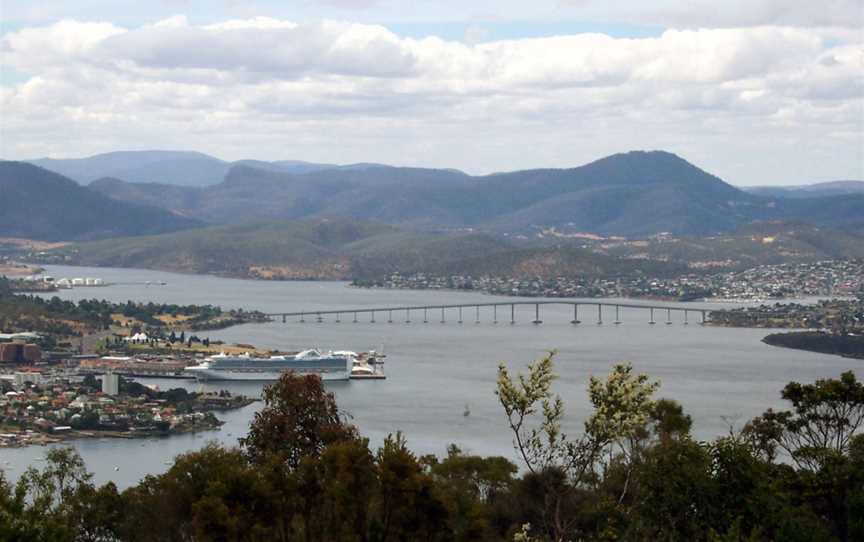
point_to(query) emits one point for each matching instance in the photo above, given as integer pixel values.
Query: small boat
(467, 411)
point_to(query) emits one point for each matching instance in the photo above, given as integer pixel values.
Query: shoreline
(819, 342)
(349, 282)
(32, 437)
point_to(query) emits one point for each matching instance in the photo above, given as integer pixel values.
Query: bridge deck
(536, 304)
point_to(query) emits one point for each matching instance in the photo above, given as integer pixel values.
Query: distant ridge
(830, 188)
(180, 168)
(40, 204)
(633, 194)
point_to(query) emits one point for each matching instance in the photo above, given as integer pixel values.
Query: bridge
(507, 309)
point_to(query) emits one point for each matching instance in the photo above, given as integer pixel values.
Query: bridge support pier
(320, 316)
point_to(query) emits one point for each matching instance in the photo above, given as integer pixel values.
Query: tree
(674, 491)
(335, 491)
(819, 428)
(622, 405)
(299, 419)
(209, 494)
(58, 503)
(475, 490)
(407, 505)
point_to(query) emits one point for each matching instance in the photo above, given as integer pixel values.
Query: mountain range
(634, 194)
(180, 168)
(39, 204)
(631, 194)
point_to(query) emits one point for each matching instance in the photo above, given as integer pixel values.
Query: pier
(491, 311)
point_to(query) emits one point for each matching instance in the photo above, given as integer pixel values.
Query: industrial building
(19, 352)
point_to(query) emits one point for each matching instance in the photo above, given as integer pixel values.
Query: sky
(758, 92)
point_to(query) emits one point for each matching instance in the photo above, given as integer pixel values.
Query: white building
(110, 384)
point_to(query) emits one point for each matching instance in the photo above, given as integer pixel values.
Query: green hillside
(344, 250)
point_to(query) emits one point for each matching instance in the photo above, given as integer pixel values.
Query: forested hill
(341, 249)
(39, 204)
(632, 194)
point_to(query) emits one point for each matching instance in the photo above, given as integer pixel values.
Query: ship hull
(205, 375)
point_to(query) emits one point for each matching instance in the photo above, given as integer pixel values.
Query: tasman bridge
(496, 312)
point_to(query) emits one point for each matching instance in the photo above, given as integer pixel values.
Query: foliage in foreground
(635, 473)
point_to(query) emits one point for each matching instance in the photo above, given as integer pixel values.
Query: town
(836, 277)
(44, 408)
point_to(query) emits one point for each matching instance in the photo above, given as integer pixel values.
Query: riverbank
(16, 438)
(848, 346)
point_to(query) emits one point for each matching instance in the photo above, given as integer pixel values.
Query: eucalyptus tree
(622, 405)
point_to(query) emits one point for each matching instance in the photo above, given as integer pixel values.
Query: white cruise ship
(327, 365)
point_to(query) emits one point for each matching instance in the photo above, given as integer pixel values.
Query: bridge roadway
(426, 309)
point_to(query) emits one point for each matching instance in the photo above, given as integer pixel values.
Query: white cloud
(725, 14)
(341, 91)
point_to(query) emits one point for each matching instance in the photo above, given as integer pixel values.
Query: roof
(22, 335)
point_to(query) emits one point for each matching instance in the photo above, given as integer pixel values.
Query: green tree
(819, 428)
(475, 491)
(622, 405)
(407, 505)
(57, 503)
(336, 490)
(299, 418)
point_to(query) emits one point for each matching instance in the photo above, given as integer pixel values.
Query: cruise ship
(327, 365)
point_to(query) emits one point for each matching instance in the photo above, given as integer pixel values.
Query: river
(722, 376)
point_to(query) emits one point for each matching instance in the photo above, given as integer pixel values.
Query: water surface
(722, 376)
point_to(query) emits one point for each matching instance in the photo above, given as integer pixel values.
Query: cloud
(726, 14)
(343, 91)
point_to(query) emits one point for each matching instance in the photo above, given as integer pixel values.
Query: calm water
(721, 376)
